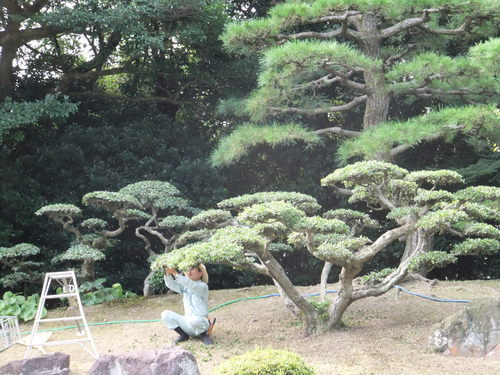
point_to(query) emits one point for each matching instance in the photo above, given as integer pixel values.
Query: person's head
(198, 272)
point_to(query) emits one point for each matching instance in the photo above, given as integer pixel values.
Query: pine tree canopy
(357, 56)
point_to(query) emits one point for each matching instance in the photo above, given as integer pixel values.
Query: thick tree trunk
(146, 290)
(344, 297)
(324, 280)
(419, 242)
(311, 317)
(7, 57)
(377, 107)
(88, 270)
(289, 304)
(342, 301)
(377, 103)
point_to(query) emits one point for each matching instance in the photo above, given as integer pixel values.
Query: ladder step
(54, 275)
(68, 318)
(62, 295)
(51, 343)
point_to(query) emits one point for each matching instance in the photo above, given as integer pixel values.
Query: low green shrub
(94, 292)
(264, 362)
(323, 309)
(23, 308)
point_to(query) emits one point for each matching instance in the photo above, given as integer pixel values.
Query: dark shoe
(183, 336)
(205, 338)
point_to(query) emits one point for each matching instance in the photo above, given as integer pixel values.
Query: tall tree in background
(135, 78)
(358, 57)
(355, 62)
(70, 46)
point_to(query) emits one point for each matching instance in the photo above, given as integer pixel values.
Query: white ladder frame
(67, 280)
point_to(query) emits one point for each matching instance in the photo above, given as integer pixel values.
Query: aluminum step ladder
(67, 280)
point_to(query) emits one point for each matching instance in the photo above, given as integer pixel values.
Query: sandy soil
(386, 335)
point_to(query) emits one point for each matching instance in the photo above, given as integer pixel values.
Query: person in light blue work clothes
(194, 289)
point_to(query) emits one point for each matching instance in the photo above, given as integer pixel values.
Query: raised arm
(172, 283)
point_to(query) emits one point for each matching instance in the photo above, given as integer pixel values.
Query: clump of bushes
(23, 308)
(264, 362)
(323, 309)
(95, 293)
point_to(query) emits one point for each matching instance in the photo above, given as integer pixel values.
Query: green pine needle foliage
(447, 123)
(249, 36)
(79, 252)
(236, 145)
(431, 260)
(302, 201)
(19, 250)
(478, 74)
(477, 246)
(59, 210)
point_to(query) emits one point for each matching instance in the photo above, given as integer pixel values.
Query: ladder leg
(85, 325)
(38, 315)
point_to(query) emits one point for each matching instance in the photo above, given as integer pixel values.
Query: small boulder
(474, 331)
(48, 364)
(176, 361)
(169, 360)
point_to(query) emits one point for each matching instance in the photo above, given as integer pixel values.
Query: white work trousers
(193, 325)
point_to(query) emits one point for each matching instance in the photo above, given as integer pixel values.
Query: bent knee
(166, 314)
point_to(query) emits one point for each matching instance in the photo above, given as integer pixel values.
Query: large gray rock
(169, 360)
(474, 331)
(48, 364)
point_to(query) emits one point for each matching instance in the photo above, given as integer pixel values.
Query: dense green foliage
(94, 293)
(264, 361)
(99, 96)
(394, 66)
(251, 228)
(24, 308)
(18, 268)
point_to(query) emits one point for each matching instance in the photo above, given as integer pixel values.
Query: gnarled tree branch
(318, 111)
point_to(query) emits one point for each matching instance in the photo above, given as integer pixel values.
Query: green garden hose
(239, 300)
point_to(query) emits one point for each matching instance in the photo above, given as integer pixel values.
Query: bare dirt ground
(386, 335)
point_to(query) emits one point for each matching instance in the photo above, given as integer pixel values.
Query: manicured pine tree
(322, 57)
(18, 266)
(152, 208)
(245, 232)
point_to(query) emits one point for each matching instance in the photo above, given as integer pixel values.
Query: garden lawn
(384, 335)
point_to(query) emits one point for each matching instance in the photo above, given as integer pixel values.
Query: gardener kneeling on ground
(194, 289)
